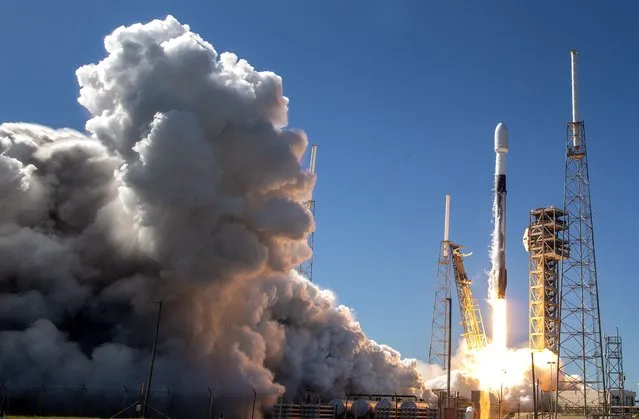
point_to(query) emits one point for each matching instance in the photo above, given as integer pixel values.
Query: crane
(471, 315)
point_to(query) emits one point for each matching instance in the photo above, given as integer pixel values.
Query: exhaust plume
(187, 188)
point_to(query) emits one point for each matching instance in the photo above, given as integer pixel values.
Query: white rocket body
(501, 148)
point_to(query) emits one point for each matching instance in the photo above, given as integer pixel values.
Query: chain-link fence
(126, 402)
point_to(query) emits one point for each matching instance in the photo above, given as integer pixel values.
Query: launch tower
(580, 343)
(306, 268)
(438, 352)
(546, 249)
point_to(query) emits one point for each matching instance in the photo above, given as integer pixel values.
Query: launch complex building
(564, 317)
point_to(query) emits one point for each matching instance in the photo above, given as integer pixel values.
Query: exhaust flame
(500, 323)
(492, 364)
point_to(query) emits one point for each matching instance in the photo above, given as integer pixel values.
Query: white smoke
(516, 383)
(187, 188)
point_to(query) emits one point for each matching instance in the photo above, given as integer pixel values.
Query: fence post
(254, 397)
(124, 399)
(166, 401)
(42, 390)
(4, 400)
(83, 391)
(208, 407)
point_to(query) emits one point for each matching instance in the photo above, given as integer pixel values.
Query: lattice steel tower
(547, 250)
(306, 268)
(438, 352)
(614, 372)
(473, 324)
(580, 343)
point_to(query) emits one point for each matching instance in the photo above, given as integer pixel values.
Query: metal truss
(580, 380)
(614, 373)
(438, 352)
(546, 250)
(474, 331)
(306, 268)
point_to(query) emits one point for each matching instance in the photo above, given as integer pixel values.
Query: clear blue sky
(374, 81)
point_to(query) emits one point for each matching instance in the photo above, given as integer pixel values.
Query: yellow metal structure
(546, 250)
(472, 322)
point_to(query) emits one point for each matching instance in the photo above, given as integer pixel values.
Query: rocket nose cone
(501, 138)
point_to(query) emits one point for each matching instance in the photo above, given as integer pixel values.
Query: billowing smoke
(461, 378)
(514, 384)
(188, 189)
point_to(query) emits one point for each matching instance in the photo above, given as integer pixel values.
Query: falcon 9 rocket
(501, 148)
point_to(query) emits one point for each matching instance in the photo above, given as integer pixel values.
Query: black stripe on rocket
(502, 274)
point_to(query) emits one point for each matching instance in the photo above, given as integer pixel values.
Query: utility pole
(450, 324)
(501, 396)
(532, 360)
(147, 390)
(551, 363)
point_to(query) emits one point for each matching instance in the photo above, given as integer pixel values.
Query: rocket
(501, 148)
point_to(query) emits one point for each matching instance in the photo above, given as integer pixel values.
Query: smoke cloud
(514, 382)
(186, 188)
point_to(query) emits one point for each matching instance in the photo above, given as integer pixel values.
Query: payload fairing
(501, 148)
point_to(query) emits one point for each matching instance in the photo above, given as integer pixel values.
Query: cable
(386, 169)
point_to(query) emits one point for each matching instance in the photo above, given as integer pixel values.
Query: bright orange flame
(493, 363)
(497, 367)
(500, 323)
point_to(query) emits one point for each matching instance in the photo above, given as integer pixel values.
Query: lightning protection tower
(614, 373)
(580, 343)
(438, 352)
(306, 267)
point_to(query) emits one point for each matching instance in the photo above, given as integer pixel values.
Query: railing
(125, 402)
(303, 411)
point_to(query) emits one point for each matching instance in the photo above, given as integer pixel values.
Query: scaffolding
(546, 249)
(614, 372)
(438, 351)
(472, 322)
(306, 267)
(581, 382)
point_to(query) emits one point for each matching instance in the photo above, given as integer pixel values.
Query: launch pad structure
(451, 265)
(615, 374)
(546, 251)
(564, 312)
(472, 322)
(438, 350)
(306, 267)
(580, 338)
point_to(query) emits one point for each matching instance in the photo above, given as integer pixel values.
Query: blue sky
(402, 98)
